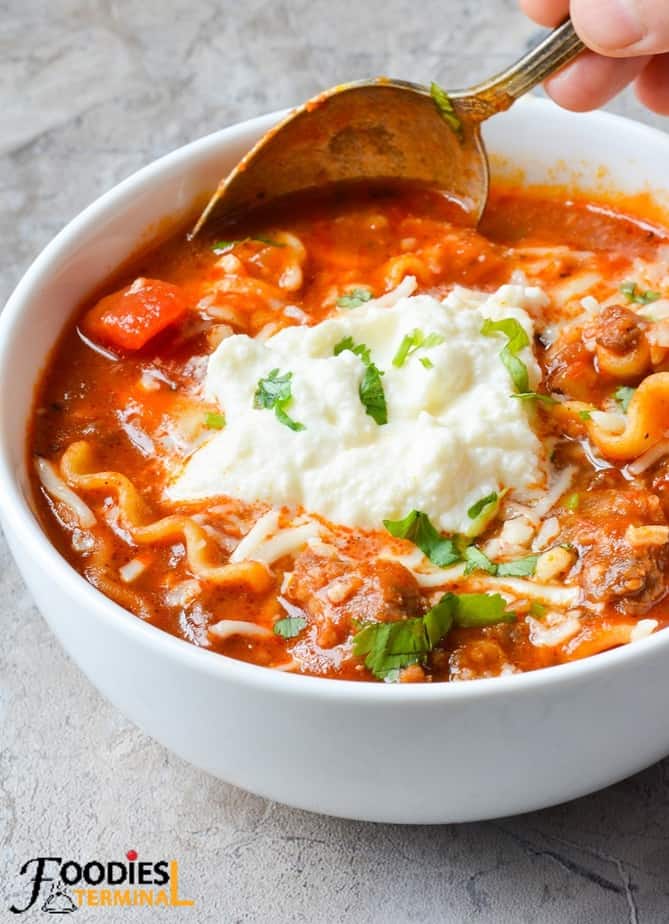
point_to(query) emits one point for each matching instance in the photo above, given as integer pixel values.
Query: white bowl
(400, 753)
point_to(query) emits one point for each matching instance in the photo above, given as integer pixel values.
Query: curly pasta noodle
(409, 264)
(247, 286)
(98, 573)
(627, 366)
(76, 465)
(646, 424)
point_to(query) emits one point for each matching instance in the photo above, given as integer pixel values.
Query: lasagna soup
(354, 438)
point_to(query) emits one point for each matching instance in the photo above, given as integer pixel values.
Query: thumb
(623, 28)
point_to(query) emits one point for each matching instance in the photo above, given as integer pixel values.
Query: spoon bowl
(387, 129)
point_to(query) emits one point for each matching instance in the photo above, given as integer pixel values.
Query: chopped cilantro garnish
(273, 389)
(478, 561)
(521, 567)
(417, 528)
(477, 509)
(572, 502)
(517, 340)
(286, 420)
(371, 391)
(623, 395)
(275, 392)
(633, 293)
(222, 246)
(427, 363)
(443, 103)
(214, 421)
(290, 626)
(537, 610)
(439, 620)
(391, 646)
(354, 298)
(476, 611)
(416, 340)
(483, 512)
(535, 396)
(372, 395)
(585, 415)
(358, 348)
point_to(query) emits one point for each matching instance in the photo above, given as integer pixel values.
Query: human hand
(629, 41)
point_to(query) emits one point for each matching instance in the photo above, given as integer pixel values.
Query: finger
(546, 12)
(592, 80)
(622, 28)
(652, 86)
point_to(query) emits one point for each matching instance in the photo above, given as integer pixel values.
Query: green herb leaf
(572, 502)
(517, 340)
(287, 421)
(290, 626)
(275, 392)
(372, 395)
(274, 388)
(214, 421)
(417, 528)
(416, 340)
(424, 361)
(359, 349)
(585, 415)
(371, 392)
(476, 611)
(354, 298)
(478, 561)
(222, 246)
(392, 646)
(408, 343)
(623, 395)
(445, 106)
(537, 610)
(535, 396)
(483, 512)
(521, 567)
(439, 620)
(633, 294)
(477, 509)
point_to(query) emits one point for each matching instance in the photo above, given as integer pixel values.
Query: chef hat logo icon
(59, 900)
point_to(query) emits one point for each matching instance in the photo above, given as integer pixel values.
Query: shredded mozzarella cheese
(229, 627)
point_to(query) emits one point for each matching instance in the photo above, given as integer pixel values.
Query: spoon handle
(499, 92)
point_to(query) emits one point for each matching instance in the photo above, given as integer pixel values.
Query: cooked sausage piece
(335, 592)
(618, 329)
(632, 578)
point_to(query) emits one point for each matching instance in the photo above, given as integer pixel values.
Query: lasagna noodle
(76, 466)
(647, 422)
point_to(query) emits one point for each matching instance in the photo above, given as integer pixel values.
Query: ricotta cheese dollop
(454, 433)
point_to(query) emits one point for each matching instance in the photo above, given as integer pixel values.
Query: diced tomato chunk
(131, 317)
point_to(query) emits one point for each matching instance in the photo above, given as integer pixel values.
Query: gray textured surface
(89, 91)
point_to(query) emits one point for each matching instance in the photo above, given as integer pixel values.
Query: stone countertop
(90, 90)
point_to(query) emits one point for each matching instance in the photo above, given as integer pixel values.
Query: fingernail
(610, 25)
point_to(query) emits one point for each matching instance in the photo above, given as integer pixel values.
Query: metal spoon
(382, 129)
